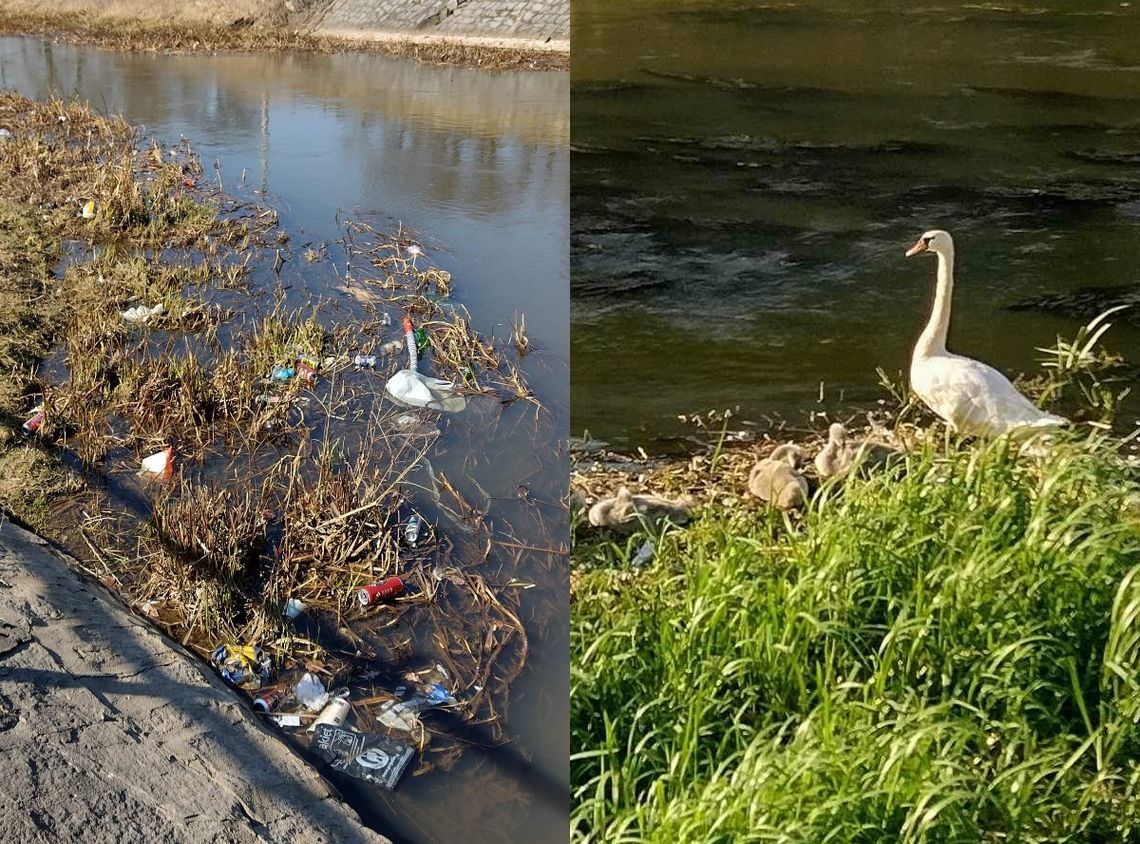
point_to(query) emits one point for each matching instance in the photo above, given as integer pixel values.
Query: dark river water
(479, 163)
(746, 177)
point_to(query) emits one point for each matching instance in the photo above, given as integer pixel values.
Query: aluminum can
(393, 587)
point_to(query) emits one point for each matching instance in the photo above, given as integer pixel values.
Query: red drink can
(269, 699)
(393, 587)
(35, 423)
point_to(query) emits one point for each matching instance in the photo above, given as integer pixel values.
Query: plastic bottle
(412, 531)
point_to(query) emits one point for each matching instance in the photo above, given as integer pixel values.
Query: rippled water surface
(478, 163)
(746, 178)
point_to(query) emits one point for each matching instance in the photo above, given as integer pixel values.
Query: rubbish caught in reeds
(227, 461)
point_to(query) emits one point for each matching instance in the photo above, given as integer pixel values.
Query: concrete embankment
(538, 23)
(111, 732)
(529, 25)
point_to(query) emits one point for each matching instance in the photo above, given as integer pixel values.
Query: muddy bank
(255, 25)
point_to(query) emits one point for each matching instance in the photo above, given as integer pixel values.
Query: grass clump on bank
(947, 655)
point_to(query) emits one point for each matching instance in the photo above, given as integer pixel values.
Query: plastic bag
(310, 692)
(415, 390)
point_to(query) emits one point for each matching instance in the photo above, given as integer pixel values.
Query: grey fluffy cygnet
(839, 456)
(776, 478)
(622, 511)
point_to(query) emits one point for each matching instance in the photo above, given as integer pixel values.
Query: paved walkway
(109, 732)
(537, 20)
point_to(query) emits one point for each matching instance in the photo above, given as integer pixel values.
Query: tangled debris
(278, 477)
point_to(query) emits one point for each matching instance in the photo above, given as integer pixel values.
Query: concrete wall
(541, 20)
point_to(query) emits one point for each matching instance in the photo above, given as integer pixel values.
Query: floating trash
(415, 251)
(310, 693)
(385, 590)
(397, 715)
(34, 422)
(412, 531)
(269, 699)
(160, 463)
(415, 390)
(307, 367)
(371, 758)
(411, 388)
(364, 361)
(334, 713)
(141, 313)
(244, 666)
(435, 696)
(293, 608)
(282, 373)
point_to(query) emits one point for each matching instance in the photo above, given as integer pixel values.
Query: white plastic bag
(411, 388)
(310, 693)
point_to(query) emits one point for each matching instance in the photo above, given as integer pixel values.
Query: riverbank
(941, 645)
(108, 727)
(947, 651)
(214, 28)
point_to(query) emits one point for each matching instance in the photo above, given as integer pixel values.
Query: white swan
(973, 398)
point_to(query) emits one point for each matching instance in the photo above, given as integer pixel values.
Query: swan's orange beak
(921, 246)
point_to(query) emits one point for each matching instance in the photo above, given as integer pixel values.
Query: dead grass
(281, 488)
(246, 35)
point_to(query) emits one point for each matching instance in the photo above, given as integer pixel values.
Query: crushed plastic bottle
(412, 531)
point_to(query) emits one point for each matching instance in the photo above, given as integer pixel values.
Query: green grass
(952, 655)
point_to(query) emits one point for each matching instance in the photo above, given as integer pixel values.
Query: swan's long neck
(932, 341)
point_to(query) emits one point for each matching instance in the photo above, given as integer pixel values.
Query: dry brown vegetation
(281, 489)
(243, 33)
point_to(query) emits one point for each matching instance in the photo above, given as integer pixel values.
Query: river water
(478, 162)
(745, 180)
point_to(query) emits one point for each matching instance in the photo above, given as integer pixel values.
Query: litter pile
(260, 486)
